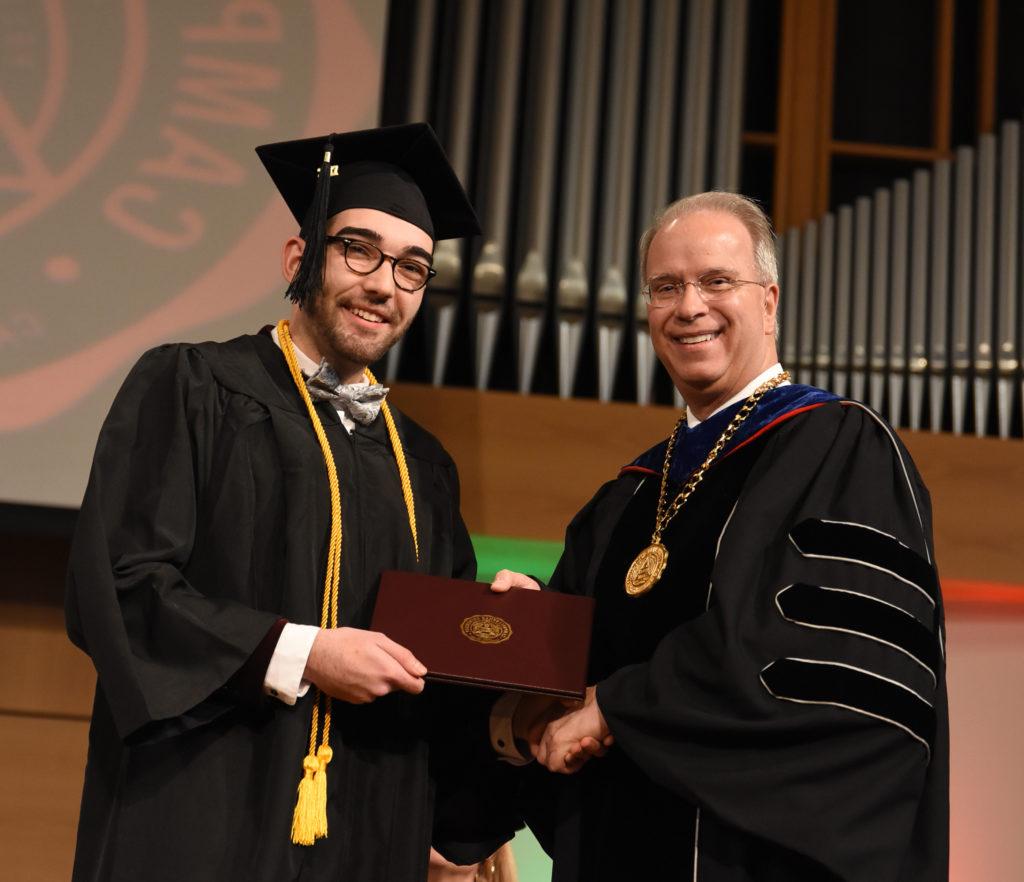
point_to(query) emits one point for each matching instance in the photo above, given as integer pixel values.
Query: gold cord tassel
(308, 816)
(309, 820)
(323, 757)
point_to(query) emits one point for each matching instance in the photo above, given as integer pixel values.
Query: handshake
(562, 735)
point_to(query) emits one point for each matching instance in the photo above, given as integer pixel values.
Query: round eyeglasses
(664, 290)
(361, 257)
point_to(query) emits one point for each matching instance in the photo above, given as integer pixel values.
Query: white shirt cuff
(502, 737)
(283, 680)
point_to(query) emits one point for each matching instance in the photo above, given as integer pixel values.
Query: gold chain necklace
(647, 568)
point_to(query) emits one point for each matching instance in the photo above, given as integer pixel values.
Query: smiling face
(711, 350)
(356, 319)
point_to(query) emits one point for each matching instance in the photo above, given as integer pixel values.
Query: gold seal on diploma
(486, 629)
(645, 571)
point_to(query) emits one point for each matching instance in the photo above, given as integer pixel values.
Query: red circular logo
(132, 206)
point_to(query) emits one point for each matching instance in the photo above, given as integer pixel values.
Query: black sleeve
(162, 649)
(476, 800)
(807, 705)
(586, 536)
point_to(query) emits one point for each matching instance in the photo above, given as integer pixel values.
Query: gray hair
(743, 208)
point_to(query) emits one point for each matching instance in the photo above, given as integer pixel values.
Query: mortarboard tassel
(309, 277)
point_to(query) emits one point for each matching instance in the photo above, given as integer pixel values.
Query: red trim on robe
(642, 470)
(775, 422)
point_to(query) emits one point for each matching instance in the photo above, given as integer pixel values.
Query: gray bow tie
(360, 401)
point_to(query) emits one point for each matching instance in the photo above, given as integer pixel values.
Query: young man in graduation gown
(768, 640)
(244, 499)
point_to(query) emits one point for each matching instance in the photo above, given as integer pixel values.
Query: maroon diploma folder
(528, 641)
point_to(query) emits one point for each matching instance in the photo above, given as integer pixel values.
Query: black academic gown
(763, 732)
(205, 522)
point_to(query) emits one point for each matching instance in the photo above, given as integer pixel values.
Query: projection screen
(133, 210)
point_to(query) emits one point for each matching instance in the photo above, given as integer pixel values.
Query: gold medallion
(650, 563)
(645, 571)
(484, 628)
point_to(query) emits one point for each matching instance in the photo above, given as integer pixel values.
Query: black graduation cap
(400, 170)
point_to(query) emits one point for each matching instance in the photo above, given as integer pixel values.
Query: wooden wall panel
(41, 766)
(528, 463)
(976, 485)
(44, 673)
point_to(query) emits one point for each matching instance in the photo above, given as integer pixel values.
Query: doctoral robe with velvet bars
(778, 699)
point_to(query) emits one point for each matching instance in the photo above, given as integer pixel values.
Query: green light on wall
(533, 556)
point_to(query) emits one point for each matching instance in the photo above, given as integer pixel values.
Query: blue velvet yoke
(693, 445)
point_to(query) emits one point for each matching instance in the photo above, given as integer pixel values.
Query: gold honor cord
(403, 469)
(647, 568)
(309, 821)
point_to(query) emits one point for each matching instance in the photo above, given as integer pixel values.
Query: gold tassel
(309, 821)
(305, 820)
(323, 755)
